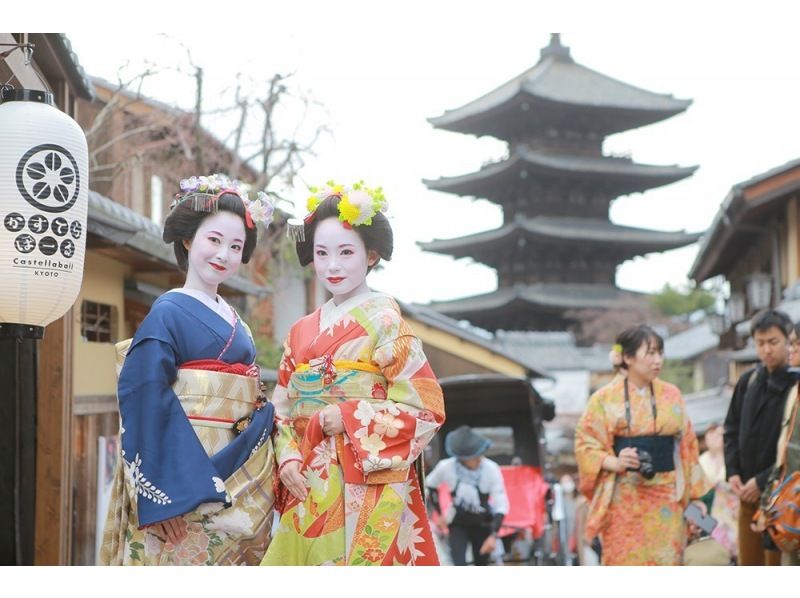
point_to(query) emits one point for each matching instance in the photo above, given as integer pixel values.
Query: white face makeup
(341, 260)
(215, 253)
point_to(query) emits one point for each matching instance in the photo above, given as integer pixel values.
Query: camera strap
(652, 406)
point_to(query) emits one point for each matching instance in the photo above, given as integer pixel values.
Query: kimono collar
(330, 313)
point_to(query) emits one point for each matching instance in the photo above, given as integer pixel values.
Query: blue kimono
(171, 470)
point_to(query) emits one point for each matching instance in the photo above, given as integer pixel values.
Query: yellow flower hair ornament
(615, 355)
(357, 206)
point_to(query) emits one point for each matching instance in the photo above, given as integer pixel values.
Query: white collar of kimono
(219, 307)
(330, 313)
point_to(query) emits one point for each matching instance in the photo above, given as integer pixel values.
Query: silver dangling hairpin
(296, 230)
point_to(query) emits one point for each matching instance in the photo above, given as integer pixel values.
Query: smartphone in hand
(705, 522)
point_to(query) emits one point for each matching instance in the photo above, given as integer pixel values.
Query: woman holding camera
(638, 458)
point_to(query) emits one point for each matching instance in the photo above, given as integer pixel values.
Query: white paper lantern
(44, 191)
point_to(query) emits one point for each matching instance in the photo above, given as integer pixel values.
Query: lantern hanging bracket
(27, 50)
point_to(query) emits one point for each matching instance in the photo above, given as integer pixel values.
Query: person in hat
(479, 500)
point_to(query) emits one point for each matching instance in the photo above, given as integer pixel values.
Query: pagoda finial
(556, 49)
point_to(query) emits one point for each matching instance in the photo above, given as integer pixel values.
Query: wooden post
(54, 446)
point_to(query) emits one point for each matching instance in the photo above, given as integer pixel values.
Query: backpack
(466, 518)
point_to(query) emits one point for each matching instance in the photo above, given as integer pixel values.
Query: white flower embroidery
(374, 463)
(144, 486)
(219, 485)
(387, 424)
(407, 537)
(323, 455)
(373, 444)
(232, 522)
(364, 413)
(314, 481)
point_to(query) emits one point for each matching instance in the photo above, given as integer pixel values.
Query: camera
(645, 465)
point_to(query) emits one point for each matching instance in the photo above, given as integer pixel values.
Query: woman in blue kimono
(194, 484)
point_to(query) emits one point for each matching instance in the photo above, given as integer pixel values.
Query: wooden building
(753, 243)
(556, 250)
(127, 266)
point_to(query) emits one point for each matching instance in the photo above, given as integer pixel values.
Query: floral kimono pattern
(640, 521)
(364, 505)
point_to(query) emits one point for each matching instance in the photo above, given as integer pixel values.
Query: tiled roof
(625, 175)
(560, 295)
(557, 79)
(592, 230)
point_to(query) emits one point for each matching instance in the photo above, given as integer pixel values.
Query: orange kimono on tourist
(364, 505)
(639, 521)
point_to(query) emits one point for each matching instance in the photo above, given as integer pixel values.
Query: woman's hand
(173, 530)
(627, 459)
(488, 545)
(293, 480)
(330, 419)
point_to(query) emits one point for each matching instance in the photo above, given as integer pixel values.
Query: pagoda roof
(584, 230)
(621, 174)
(558, 296)
(558, 90)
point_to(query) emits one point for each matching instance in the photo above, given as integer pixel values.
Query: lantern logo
(47, 177)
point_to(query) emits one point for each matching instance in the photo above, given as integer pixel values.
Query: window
(98, 322)
(156, 199)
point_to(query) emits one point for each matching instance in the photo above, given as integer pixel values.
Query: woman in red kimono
(356, 402)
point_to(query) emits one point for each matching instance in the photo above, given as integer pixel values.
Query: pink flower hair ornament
(204, 191)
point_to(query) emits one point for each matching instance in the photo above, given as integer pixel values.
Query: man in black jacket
(752, 427)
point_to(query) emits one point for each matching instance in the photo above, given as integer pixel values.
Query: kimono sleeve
(390, 434)
(166, 464)
(593, 443)
(697, 484)
(286, 439)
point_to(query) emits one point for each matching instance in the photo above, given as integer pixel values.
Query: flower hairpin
(357, 206)
(204, 191)
(615, 355)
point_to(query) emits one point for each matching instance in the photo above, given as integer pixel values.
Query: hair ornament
(615, 355)
(357, 206)
(204, 191)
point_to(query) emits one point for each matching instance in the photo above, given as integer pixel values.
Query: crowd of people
(327, 470)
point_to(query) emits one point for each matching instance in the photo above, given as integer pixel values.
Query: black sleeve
(497, 521)
(732, 420)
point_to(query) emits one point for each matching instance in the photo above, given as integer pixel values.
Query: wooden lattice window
(98, 322)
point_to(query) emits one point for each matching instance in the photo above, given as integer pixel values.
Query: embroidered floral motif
(388, 425)
(373, 555)
(219, 485)
(373, 444)
(364, 413)
(144, 486)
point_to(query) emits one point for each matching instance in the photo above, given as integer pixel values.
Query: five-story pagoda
(557, 249)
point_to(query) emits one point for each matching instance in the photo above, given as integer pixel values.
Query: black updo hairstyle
(183, 221)
(634, 337)
(377, 236)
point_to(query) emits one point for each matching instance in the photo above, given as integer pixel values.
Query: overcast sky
(379, 80)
